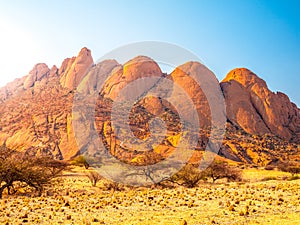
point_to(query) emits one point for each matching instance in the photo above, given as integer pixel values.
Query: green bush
(80, 161)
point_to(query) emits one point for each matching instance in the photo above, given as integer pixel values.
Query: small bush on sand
(94, 177)
(268, 178)
(80, 161)
(296, 177)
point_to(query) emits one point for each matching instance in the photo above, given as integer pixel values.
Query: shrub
(188, 176)
(296, 177)
(268, 178)
(36, 172)
(219, 170)
(290, 167)
(269, 167)
(114, 186)
(80, 161)
(94, 177)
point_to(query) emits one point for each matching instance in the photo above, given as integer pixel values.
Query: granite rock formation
(36, 110)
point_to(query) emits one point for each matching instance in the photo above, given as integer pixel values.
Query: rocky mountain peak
(141, 66)
(39, 71)
(36, 110)
(252, 106)
(53, 71)
(245, 77)
(74, 69)
(138, 67)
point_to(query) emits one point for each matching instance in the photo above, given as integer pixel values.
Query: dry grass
(254, 175)
(74, 201)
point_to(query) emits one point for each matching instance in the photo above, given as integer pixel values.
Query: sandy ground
(72, 200)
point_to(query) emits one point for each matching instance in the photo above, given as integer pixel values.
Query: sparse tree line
(18, 169)
(189, 176)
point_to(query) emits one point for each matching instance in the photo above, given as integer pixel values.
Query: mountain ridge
(37, 108)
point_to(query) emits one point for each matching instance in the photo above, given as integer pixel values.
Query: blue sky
(263, 36)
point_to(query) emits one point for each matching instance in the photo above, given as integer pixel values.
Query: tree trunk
(2, 189)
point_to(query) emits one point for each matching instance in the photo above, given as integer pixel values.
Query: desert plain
(263, 197)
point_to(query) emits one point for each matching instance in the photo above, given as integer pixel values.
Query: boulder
(256, 109)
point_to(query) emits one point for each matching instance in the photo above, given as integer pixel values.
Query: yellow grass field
(72, 200)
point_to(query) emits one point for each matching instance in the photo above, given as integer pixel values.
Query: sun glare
(18, 52)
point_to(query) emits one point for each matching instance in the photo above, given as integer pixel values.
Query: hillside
(262, 127)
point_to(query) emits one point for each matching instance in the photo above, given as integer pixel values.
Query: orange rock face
(158, 92)
(184, 77)
(73, 70)
(36, 74)
(252, 106)
(134, 69)
(36, 110)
